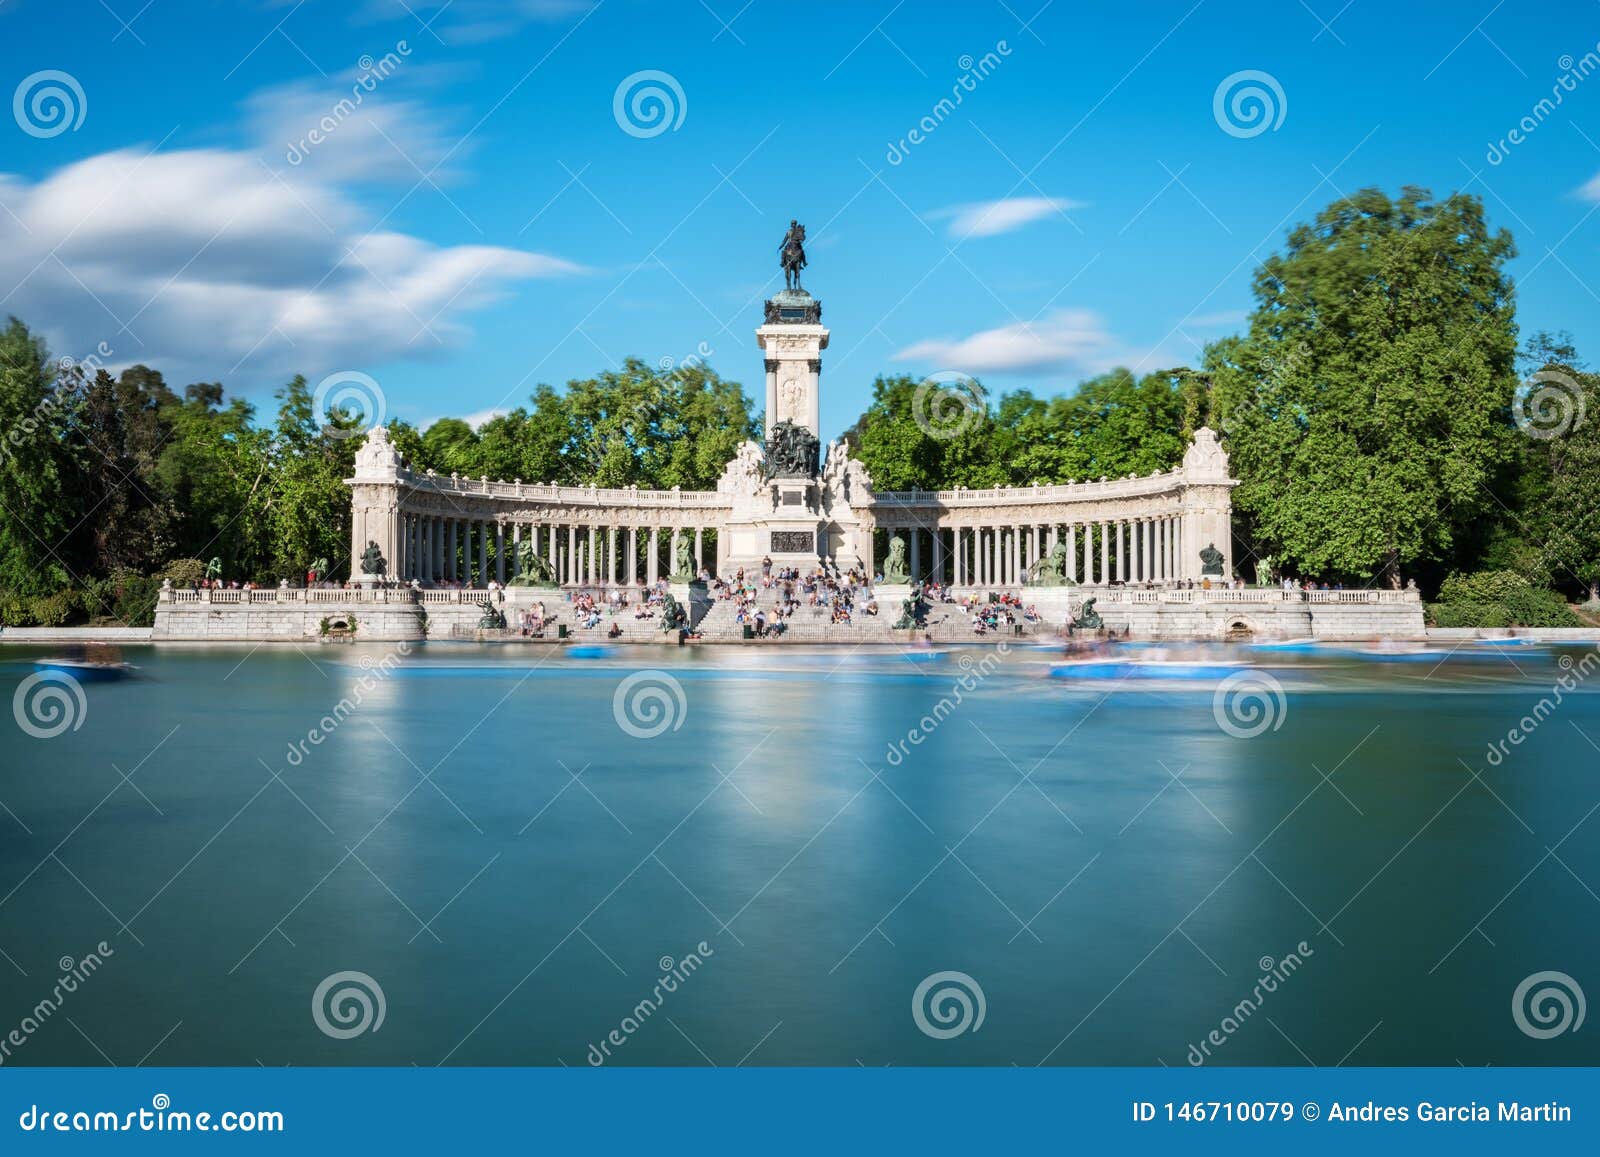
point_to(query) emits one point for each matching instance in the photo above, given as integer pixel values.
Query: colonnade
(474, 551)
(1130, 550)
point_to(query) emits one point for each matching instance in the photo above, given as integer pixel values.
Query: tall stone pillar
(653, 570)
(633, 556)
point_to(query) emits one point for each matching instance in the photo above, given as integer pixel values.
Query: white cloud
(991, 218)
(1591, 191)
(1064, 341)
(205, 264)
(473, 21)
(361, 136)
(1219, 320)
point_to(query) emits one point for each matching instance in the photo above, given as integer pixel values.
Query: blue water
(1104, 860)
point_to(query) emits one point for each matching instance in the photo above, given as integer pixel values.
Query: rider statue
(792, 255)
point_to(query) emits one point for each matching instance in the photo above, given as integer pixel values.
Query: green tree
(1366, 410)
(38, 511)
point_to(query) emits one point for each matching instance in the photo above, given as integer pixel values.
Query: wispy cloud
(1591, 191)
(991, 218)
(1219, 320)
(203, 262)
(473, 21)
(1064, 341)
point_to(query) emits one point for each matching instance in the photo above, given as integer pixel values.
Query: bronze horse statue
(792, 254)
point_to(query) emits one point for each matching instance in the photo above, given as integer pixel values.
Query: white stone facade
(431, 529)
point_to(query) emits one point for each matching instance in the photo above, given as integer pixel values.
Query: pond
(472, 855)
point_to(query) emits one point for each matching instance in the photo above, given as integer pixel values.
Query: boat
(1142, 669)
(86, 670)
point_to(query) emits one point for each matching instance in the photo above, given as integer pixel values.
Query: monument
(788, 506)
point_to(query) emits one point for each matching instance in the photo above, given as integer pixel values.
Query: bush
(1486, 586)
(1528, 607)
(52, 610)
(133, 598)
(1468, 615)
(1534, 607)
(184, 572)
(15, 611)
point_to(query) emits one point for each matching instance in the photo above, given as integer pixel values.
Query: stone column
(699, 549)
(1105, 552)
(633, 556)
(1088, 554)
(652, 569)
(916, 553)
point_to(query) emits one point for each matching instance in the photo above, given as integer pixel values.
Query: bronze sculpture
(895, 571)
(1051, 570)
(791, 452)
(792, 254)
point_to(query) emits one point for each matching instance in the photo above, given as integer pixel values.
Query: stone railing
(1131, 486)
(1225, 595)
(221, 597)
(674, 499)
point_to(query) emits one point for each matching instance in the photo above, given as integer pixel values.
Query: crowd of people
(998, 612)
(842, 594)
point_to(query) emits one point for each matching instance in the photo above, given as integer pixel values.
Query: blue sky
(483, 221)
